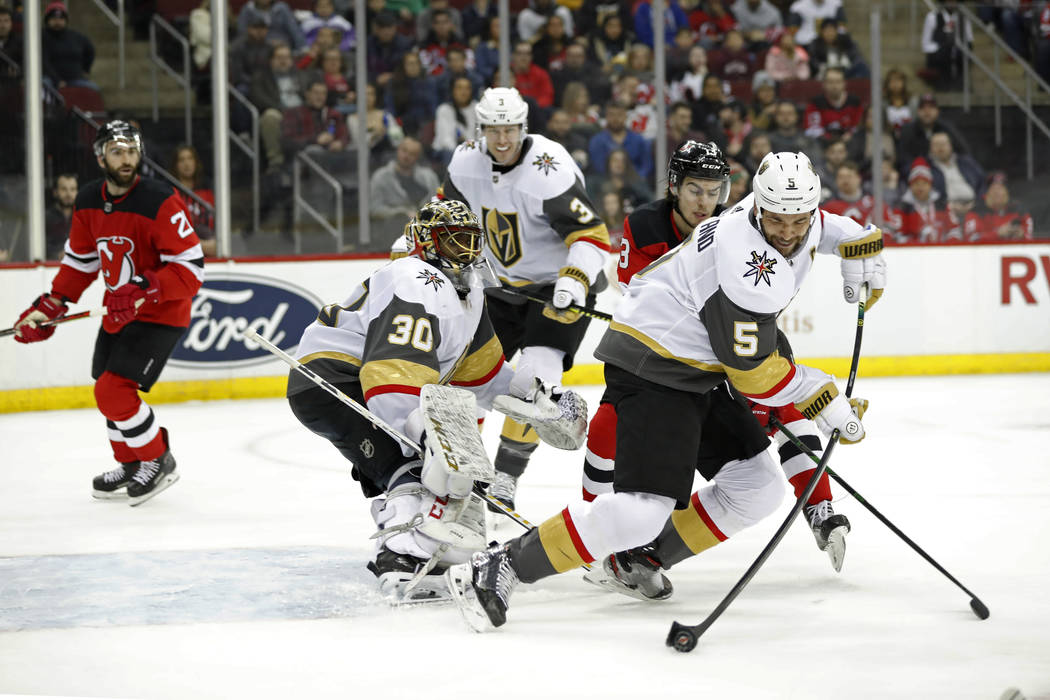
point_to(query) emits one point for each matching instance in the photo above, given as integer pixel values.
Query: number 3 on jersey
(408, 329)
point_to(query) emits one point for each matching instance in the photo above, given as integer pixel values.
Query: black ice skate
(635, 572)
(482, 587)
(112, 485)
(395, 570)
(829, 530)
(153, 476)
(503, 488)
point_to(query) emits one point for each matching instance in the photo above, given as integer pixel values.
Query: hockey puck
(979, 609)
(682, 638)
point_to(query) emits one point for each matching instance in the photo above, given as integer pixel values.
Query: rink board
(947, 310)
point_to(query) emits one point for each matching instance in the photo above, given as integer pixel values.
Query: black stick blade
(682, 638)
(979, 609)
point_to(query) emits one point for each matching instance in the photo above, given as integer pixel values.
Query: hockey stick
(978, 607)
(684, 637)
(585, 310)
(393, 432)
(61, 319)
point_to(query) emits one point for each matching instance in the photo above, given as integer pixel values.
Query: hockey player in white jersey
(544, 238)
(418, 320)
(701, 314)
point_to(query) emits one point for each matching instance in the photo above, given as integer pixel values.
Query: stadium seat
(87, 99)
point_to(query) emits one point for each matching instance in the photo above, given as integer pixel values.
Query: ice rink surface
(246, 579)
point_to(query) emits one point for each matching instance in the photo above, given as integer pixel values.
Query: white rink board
(940, 300)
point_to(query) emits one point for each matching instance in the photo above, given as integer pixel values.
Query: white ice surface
(246, 578)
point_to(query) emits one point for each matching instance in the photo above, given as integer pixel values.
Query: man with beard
(137, 233)
(59, 217)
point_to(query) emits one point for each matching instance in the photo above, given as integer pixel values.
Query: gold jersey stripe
(480, 362)
(331, 355)
(558, 545)
(599, 232)
(400, 372)
(662, 351)
(760, 380)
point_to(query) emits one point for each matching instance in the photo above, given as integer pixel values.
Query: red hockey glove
(45, 308)
(124, 302)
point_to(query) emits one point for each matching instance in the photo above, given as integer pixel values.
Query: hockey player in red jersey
(137, 233)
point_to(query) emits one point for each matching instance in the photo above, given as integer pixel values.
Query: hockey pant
(742, 493)
(600, 455)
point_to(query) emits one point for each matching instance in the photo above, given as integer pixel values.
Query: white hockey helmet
(786, 183)
(501, 107)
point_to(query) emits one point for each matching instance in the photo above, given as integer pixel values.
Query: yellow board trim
(694, 532)
(69, 397)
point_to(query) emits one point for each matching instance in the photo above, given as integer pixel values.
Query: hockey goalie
(414, 345)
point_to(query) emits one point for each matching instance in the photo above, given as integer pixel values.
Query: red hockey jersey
(147, 228)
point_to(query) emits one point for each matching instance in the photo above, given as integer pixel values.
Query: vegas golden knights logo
(504, 238)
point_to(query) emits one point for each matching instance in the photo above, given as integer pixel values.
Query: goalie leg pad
(454, 454)
(415, 522)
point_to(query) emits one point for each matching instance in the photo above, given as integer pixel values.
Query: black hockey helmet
(120, 131)
(704, 161)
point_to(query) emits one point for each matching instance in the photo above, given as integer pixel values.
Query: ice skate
(394, 572)
(153, 476)
(503, 488)
(829, 530)
(482, 587)
(635, 573)
(112, 485)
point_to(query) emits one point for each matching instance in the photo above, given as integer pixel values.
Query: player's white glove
(559, 416)
(570, 289)
(862, 263)
(831, 411)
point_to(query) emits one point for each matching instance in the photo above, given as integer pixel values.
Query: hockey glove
(862, 263)
(559, 416)
(44, 308)
(570, 290)
(124, 302)
(832, 411)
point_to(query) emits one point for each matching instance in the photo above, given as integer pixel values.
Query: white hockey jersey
(706, 311)
(532, 211)
(403, 328)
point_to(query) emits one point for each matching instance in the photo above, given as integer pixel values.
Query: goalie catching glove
(862, 263)
(832, 411)
(559, 416)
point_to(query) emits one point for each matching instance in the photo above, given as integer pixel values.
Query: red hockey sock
(821, 493)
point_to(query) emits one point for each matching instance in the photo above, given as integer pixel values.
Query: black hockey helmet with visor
(448, 235)
(121, 132)
(703, 161)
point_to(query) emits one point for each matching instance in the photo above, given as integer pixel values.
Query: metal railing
(182, 79)
(117, 20)
(992, 73)
(250, 149)
(299, 204)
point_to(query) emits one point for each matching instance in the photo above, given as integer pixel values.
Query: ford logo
(230, 303)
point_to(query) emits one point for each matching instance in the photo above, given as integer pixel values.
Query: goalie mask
(448, 235)
(120, 132)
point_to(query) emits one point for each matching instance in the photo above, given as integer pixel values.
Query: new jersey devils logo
(114, 254)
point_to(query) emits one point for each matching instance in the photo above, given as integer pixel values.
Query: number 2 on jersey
(408, 329)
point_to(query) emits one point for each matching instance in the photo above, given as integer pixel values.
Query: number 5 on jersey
(745, 333)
